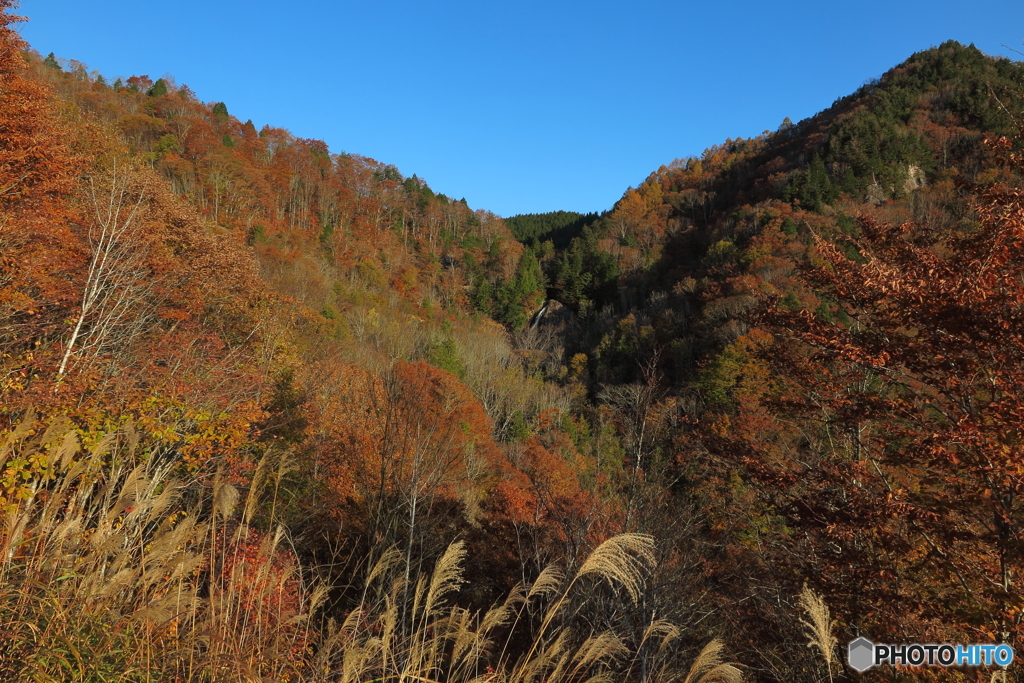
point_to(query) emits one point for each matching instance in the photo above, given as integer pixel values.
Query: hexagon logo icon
(861, 654)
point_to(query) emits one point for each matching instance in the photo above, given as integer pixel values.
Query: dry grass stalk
(709, 668)
(622, 560)
(454, 645)
(107, 574)
(818, 626)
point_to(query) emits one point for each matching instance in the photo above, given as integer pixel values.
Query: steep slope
(711, 325)
(262, 296)
(220, 314)
(687, 249)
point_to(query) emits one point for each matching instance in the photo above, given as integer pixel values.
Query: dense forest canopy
(558, 227)
(272, 412)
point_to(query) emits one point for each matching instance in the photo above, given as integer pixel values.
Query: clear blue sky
(524, 106)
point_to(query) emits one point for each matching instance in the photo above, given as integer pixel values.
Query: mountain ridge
(216, 309)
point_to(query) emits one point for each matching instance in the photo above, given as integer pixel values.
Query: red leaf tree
(904, 495)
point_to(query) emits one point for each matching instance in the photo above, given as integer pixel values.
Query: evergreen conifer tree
(159, 88)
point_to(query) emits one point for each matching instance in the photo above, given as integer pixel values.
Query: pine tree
(159, 88)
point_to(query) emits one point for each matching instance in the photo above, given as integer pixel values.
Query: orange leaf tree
(37, 251)
(906, 488)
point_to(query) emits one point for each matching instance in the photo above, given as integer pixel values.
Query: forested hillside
(275, 412)
(811, 336)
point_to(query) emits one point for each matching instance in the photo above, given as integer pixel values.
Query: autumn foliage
(920, 400)
(272, 411)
